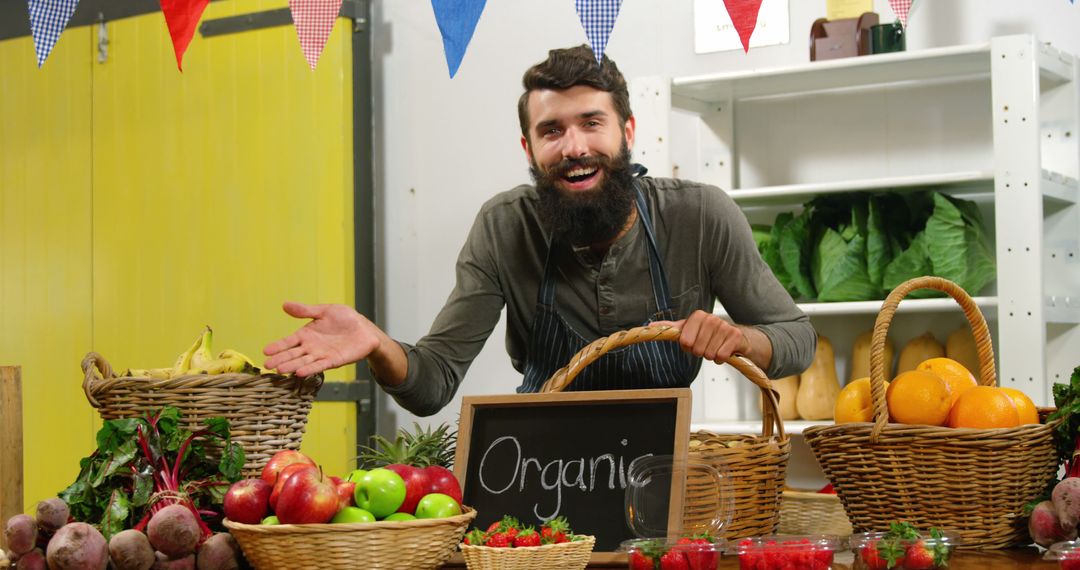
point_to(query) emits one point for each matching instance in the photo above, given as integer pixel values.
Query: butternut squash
(960, 346)
(860, 358)
(818, 385)
(918, 349)
(787, 389)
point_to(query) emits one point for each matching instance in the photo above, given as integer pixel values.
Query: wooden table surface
(1013, 559)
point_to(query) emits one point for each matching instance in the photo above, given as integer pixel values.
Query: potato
(77, 546)
(33, 560)
(52, 514)
(131, 550)
(174, 531)
(21, 534)
(163, 562)
(219, 552)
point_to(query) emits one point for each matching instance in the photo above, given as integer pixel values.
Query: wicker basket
(813, 513)
(972, 481)
(757, 463)
(564, 556)
(266, 413)
(397, 545)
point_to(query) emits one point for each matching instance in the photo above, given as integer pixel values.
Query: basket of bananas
(267, 411)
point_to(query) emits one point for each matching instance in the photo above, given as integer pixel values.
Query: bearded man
(593, 247)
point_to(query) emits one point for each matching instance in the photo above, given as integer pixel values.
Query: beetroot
(1066, 497)
(174, 531)
(163, 562)
(77, 546)
(33, 560)
(219, 552)
(131, 550)
(1045, 527)
(21, 534)
(52, 514)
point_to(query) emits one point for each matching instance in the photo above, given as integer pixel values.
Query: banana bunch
(199, 359)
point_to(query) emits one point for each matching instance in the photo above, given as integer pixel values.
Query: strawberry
(699, 551)
(872, 558)
(919, 556)
(554, 531)
(476, 537)
(498, 540)
(674, 560)
(527, 537)
(1070, 561)
(640, 560)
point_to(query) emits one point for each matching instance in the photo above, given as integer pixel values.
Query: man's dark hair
(570, 67)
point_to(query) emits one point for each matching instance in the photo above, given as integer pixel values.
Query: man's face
(579, 154)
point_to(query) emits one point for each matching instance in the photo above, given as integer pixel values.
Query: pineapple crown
(421, 447)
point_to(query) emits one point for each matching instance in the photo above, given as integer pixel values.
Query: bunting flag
(744, 15)
(901, 8)
(48, 18)
(457, 22)
(598, 19)
(314, 20)
(182, 16)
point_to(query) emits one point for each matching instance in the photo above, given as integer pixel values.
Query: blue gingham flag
(48, 18)
(598, 18)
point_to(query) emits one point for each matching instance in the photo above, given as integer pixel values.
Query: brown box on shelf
(848, 37)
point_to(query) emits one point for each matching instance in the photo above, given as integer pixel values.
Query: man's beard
(593, 216)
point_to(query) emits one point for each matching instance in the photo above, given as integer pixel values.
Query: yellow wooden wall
(141, 203)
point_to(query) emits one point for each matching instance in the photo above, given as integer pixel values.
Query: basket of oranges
(940, 450)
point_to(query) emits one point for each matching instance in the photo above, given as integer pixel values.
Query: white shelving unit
(995, 123)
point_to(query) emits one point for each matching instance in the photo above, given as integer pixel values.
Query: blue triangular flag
(457, 22)
(598, 18)
(48, 18)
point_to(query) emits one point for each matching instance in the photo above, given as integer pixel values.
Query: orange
(854, 403)
(960, 379)
(984, 407)
(919, 397)
(1025, 408)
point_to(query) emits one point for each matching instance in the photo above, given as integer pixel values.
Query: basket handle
(983, 345)
(95, 367)
(562, 377)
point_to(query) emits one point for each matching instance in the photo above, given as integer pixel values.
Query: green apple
(437, 506)
(353, 515)
(355, 475)
(400, 517)
(272, 519)
(380, 491)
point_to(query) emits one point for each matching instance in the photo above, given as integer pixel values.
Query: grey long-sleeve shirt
(708, 253)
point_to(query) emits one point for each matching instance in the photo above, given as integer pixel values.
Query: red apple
(345, 491)
(442, 480)
(416, 485)
(247, 501)
(284, 476)
(279, 461)
(307, 498)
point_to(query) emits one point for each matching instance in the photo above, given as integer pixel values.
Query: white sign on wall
(713, 30)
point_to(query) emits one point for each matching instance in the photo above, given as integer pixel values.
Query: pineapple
(419, 448)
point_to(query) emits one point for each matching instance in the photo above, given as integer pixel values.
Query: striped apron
(552, 341)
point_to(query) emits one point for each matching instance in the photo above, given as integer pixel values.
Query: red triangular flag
(182, 16)
(314, 20)
(744, 16)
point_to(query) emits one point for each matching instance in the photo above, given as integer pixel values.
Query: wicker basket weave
(564, 556)
(972, 481)
(813, 513)
(757, 463)
(395, 545)
(266, 413)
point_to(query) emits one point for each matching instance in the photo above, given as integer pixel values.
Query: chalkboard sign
(538, 456)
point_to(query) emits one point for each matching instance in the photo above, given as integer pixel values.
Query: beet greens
(144, 464)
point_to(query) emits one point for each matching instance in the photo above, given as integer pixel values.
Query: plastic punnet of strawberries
(903, 547)
(804, 552)
(1067, 554)
(508, 532)
(698, 552)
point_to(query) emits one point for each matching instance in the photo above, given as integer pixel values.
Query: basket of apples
(400, 515)
(509, 545)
